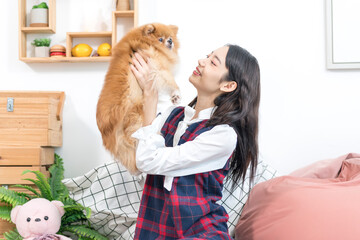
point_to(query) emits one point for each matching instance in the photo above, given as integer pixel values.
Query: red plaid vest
(189, 210)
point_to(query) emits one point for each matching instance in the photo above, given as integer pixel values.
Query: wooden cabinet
(51, 29)
(35, 118)
(26, 156)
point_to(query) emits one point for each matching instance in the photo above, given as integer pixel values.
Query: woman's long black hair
(240, 109)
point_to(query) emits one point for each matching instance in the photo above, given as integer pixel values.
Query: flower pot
(122, 5)
(39, 17)
(42, 52)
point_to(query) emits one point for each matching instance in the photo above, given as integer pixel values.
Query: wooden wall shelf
(37, 30)
(124, 13)
(69, 45)
(24, 30)
(65, 59)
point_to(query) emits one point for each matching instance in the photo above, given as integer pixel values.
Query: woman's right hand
(143, 73)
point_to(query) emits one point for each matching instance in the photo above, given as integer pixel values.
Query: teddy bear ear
(59, 205)
(14, 213)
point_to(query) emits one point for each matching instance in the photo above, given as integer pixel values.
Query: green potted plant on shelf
(39, 15)
(74, 223)
(42, 47)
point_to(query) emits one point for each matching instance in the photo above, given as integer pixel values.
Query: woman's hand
(145, 76)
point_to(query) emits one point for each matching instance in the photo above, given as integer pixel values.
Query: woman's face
(207, 75)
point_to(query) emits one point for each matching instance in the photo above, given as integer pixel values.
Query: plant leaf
(5, 213)
(73, 217)
(42, 184)
(84, 238)
(58, 190)
(12, 235)
(41, 42)
(31, 189)
(27, 196)
(10, 197)
(83, 231)
(79, 207)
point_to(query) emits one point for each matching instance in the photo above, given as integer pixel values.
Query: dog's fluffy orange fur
(120, 105)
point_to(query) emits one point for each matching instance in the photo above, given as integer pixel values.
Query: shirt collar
(203, 114)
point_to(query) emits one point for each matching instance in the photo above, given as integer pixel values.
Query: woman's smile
(197, 72)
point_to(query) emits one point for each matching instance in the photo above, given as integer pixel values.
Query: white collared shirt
(207, 152)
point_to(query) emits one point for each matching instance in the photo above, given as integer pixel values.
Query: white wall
(307, 112)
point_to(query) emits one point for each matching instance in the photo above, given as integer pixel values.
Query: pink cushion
(328, 168)
(301, 208)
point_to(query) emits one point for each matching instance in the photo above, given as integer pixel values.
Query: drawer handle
(0, 157)
(10, 104)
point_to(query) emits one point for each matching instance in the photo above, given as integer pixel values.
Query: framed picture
(343, 35)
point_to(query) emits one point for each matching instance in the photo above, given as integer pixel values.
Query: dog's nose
(170, 41)
(37, 219)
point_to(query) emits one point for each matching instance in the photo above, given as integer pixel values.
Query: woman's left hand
(143, 73)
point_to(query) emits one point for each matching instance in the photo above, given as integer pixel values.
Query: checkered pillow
(114, 197)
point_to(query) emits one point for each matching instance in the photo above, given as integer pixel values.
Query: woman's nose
(201, 62)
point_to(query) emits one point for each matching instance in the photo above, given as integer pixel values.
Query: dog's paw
(175, 97)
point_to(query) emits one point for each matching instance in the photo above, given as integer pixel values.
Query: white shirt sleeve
(207, 152)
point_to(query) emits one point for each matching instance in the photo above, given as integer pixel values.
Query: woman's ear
(228, 86)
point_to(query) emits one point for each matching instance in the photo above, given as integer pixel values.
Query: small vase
(42, 52)
(39, 17)
(122, 5)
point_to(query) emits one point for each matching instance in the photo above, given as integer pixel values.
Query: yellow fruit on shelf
(81, 50)
(104, 49)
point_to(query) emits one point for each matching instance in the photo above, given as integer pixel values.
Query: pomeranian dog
(120, 105)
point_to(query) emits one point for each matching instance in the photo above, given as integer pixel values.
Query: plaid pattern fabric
(114, 196)
(170, 125)
(234, 200)
(189, 210)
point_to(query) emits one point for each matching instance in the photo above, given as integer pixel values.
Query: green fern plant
(12, 235)
(41, 42)
(75, 219)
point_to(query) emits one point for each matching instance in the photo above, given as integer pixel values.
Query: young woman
(187, 151)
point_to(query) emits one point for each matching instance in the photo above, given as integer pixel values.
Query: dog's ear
(174, 28)
(148, 29)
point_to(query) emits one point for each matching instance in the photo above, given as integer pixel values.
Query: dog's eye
(46, 218)
(28, 219)
(161, 39)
